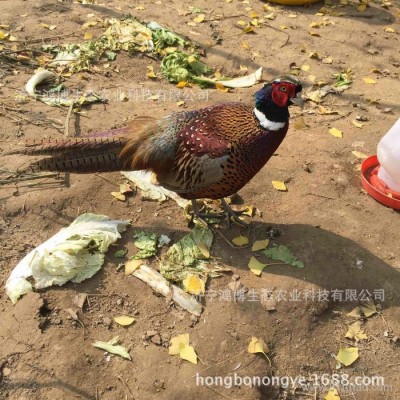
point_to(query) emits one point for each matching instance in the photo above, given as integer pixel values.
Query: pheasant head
(272, 101)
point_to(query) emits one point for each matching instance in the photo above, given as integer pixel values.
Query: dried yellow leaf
(260, 245)
(389, 29)
(279, 185)
(357, 124)
(327, 60)
(150, 72)
(88, 36)
(245, 44)
(358, 154)
(240, 240)
(347, 355)
(299, 123)
(255, 266)
(257, 345)
(314, 25)
(181, 84)
(186, 352)
(332, 395)
(248, 29)
(124, 320)
(305, 67)
(242, 23)
(336, 132)
(370, 81)
(199, 18)
(362, 7)
(119, 196)
(179, 345)
(180, 103)
(316, 34)
(355, 332)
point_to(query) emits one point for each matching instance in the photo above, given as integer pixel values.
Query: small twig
(126, 384)
(106, 179)
(66, 125)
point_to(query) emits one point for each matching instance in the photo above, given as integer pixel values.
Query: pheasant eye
(283, 88)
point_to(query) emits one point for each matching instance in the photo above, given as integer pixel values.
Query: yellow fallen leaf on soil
(240, 240)
(358, 154)
(278, 185)
(124, 320)
(390, 29)
(347, 355)
(256, 267)
(369, 81)
(88, 36)
(199, 18)
(332, 395)
(357, 124)
(305, 67)
(180, 103)
(335, 132)
(260, 245)
(327, 60)
(257, 346)
(246, 45)
(242, 23)
(179, 345)
(311, 33)
(150, 72)
(119, 196)
(314, 24)
(355, 332)
(175, 342)
(125, 188)
(181, 84)
(132, 265)
(362, 7)
(368, 309)
(300, 123)
(194, 285)
(186, 352)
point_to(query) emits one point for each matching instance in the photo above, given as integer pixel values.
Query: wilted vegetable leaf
(146, 243)
(283, 253)
(124, 320)
(194, 285)
(132, 265)
(112, 347)
(347, 355)
(120, 253)
(278, 185)
(240, 240)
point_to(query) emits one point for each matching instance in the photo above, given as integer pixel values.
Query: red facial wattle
(282, 92)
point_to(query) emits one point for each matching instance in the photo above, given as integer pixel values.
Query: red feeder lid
(375, 187)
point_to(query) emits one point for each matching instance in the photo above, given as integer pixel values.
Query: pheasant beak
(298, 100)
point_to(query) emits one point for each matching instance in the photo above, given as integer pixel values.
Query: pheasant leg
(231, 215)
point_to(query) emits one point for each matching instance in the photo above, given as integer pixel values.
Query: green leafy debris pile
(188, 256)
(134, 37)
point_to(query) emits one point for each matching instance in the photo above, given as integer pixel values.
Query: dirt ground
(345, 239)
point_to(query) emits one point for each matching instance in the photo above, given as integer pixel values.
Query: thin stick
(66, 125)
(127, 386)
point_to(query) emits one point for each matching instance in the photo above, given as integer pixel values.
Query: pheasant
(211, 152)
